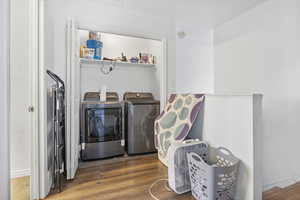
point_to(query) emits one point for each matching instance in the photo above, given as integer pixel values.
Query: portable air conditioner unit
(178, 170)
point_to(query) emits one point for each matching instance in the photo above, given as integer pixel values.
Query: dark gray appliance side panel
(140, 135)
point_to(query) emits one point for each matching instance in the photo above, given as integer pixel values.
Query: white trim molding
(4, 98)
(283, 183)
(34, 96)
(20, 173)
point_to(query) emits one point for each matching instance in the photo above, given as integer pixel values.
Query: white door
(73, 100)
(72, 84)
(21, 78)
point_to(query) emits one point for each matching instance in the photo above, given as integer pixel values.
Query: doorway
(79, 71)
(33, 88)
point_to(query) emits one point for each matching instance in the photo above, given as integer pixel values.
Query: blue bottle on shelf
(97, 45)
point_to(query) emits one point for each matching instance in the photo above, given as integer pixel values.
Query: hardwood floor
(129, 179)
(126, 180)
(20, 188)
(289, 193)
(274, 194)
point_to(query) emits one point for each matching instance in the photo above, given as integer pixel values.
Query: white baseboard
(282, 183)
(20, 173)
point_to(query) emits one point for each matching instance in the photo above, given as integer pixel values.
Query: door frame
(4, 99)
(5, 90)
(74, 27)
(34, 96)
(164, 76)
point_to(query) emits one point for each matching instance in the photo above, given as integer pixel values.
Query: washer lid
(144, 102)
(138, 97)
(95, 96)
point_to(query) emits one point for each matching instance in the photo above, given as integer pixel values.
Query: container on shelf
(95, 43)
(88, 53)
(97, 46)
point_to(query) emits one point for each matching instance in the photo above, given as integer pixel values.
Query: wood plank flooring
(20, 188)
(129, 179)
(289, 193)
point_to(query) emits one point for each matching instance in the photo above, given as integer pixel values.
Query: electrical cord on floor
(154, 183)
(167, 186)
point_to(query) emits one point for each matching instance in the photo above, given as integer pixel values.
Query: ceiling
(228, 9)
(204, 13)
(212, 12)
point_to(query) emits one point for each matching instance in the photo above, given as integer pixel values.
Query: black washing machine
(141, 110)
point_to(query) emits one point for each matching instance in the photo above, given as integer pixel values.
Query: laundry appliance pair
(114, 127)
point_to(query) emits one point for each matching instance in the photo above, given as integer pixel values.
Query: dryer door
(103, 124)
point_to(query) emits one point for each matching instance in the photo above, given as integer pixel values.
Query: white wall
(194, 53)
(114, 44)
(259, 52)
(19, 74)
(4, 99)
(234, 122)
(133, 17)
(123, 78)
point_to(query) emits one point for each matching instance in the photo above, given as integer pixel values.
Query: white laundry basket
(178, 170)
(214, 176)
